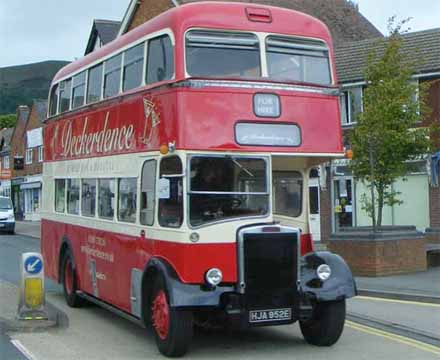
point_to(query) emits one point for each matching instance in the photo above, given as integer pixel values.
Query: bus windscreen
(226, 187)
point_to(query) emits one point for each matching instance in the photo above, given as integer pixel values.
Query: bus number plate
(259, 316)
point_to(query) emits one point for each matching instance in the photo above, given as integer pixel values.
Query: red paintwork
(306, 243)
(195, 119)
(161, 315)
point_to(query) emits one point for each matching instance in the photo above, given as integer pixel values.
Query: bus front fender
(340, 285)
(182, 295)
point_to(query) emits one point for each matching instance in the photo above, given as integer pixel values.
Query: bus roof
(216, 15)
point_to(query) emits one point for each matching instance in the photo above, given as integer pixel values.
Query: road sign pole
(32, 302)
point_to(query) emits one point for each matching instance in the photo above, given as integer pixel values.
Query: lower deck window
(171, 203)
(60, 195)
(73, 196)
(106, 196)
(127, 200)
(287, 193)
(88, 197)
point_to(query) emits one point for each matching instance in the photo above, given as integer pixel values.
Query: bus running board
(111, 308)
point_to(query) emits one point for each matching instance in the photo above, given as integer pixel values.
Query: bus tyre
(326, 325)
(173, 329)
(70, 282)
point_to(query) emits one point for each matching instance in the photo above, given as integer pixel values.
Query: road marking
(397, 301)
(398, 338)
(27, 354)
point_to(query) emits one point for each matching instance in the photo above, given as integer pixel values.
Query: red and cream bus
(176, 174)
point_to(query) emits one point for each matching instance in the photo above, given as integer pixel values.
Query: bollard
(32, 296)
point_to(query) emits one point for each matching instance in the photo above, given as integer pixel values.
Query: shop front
(31, 190)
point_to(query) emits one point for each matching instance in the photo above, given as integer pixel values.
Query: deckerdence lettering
(102, 141)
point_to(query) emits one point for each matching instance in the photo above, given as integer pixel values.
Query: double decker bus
(176, 174)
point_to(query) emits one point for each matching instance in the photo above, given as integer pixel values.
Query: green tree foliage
(388, 132)
(7, 121)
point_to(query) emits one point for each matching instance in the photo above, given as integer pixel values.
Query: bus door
(314, 208)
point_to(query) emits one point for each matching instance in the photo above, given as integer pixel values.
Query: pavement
(422, 286)
(28, 228)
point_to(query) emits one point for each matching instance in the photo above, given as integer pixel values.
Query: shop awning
(31, 185)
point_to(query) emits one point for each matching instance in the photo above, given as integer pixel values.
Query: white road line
(27, 354)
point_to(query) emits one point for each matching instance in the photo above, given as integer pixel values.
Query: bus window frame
(187, 188)
(183, 174)
(262, 38)
(144, 39)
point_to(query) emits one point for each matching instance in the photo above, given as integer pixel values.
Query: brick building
(342, 17)
(5, 165)
(340, 198)
(103, 31)
(27, 155)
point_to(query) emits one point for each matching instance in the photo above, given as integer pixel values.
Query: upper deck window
(222, 54)
(78, 90)
(53, 100)
(160, 61)
(94, 84)
(300, 60)
(133, 66)
(112, 77)
(65, 92)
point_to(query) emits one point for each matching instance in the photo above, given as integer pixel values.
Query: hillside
(19, 85)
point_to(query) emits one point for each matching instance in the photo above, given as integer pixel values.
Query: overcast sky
(38, 30)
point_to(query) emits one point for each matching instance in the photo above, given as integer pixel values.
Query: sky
(39, 30)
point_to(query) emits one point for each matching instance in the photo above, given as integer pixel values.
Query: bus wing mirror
(164, 188)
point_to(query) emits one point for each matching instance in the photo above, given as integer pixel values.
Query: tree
(7, 121)
(388, 133)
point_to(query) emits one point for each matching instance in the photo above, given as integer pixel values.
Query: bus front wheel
(173, 329)
(326, 325)
(70, 282)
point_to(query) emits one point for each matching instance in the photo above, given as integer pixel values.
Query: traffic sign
(32, 296)
(33, 265)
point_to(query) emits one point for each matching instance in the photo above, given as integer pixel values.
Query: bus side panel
(191, 261)
(51, 237)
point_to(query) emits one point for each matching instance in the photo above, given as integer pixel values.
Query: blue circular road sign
(33, 265)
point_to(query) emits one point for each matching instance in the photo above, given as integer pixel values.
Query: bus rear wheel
(70, 282)
(326, 325)
(173, 329)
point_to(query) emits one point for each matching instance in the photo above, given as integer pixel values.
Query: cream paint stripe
(398, 338)
(397, 301)
(26, 353)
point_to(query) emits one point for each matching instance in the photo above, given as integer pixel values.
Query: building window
(171, 206)
(127, 199)
(73, 196)
(29, 155)
(133, 66)
(6, 162)
(351, 105)
(94, 84)
(112, 76)
(106, 198)
(60, 195)
(40, 154)
(287, 193)
(88, 197)
(148, 192)
(160, 64)
(78, 90)
(64, 94)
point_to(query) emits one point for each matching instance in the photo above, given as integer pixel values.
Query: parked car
(7, 218)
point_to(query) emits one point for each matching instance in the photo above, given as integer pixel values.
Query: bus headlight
(323, 271)
(213, 276)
